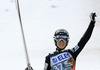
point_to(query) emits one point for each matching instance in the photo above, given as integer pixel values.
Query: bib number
(58, 67)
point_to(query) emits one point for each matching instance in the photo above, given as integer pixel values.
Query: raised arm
(77, 49)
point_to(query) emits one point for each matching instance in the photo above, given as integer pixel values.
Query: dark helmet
(61, 33)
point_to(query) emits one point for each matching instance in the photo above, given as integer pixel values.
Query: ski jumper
(66, 59)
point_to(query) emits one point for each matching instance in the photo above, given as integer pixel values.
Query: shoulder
(50, 54)
(47, 56)
(74, 49)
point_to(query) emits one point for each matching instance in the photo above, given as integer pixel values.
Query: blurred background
(41, 18)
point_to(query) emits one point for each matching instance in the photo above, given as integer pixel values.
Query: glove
(92, 16)
(71, 62)
(29, 68)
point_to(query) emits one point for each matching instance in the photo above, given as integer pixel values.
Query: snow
(40, 19)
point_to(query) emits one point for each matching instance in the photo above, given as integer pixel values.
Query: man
(65, 59)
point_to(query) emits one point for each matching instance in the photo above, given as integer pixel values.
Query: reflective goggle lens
(59, 38)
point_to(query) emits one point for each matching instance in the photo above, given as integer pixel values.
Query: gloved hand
(92, 16)
(29, 68)
(71, 62)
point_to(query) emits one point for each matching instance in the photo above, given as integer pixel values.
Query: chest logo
(60, 57)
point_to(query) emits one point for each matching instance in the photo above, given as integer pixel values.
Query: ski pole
(24, 42)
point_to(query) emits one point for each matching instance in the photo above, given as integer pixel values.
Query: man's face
(61, 44)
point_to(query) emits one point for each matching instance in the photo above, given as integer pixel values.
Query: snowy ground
(40, 19)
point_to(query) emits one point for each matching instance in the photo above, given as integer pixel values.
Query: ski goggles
(59, 38)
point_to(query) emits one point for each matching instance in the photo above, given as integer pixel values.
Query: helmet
(61, 34)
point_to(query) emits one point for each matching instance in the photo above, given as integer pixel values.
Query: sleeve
(47, 63)
(78, 48)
